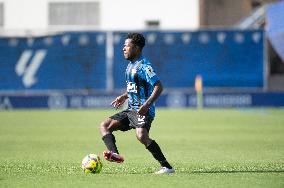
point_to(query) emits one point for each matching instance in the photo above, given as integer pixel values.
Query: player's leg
(142, 135)
(107, 127)
(116, 122)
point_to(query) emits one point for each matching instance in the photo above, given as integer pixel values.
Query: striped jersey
(140, 79)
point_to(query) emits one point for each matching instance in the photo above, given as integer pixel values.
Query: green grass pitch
(208, 148)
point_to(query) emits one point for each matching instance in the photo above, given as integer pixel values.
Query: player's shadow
(236, 171)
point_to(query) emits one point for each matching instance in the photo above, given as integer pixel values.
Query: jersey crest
(150, 72)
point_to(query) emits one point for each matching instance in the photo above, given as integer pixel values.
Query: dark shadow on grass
(206, 172)
(180, 171)
(236, 171)
(114, 173)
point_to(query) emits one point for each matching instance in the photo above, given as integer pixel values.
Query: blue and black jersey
(140, 80)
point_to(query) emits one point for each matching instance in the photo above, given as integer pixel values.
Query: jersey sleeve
(150, 75)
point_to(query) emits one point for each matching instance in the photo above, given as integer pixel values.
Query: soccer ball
(92, 164)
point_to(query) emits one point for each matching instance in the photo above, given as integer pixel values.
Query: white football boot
(165, 170)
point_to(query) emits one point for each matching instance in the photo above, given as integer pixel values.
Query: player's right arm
(118, 101)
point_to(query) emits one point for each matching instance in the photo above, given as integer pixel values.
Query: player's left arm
(158, 88)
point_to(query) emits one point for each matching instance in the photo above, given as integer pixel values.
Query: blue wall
(77, 60)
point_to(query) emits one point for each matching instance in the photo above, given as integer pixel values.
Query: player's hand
(118, 101)
(143, 110)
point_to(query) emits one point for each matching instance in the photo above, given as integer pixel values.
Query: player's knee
(139, 136)
(104, 126)
(142, 138)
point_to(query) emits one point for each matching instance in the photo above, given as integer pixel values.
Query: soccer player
(143, 88)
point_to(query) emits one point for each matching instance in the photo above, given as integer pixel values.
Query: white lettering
(141, 119)
(228, 100)
(57, 101)
(5, 103)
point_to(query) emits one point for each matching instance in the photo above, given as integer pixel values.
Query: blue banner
(224, 58)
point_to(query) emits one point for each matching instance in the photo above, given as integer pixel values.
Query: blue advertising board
(169, 100)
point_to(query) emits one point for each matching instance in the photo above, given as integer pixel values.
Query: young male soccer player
(143, 88)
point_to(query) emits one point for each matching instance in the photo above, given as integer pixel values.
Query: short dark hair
(137, 39)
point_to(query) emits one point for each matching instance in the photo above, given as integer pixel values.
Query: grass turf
(208, 148)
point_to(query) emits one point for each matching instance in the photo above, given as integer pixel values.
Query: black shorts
(129, 119)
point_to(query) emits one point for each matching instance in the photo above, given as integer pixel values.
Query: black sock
(109, 141)
(157, 153)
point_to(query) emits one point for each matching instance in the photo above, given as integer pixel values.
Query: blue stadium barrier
(48, 72)
(170, 100)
